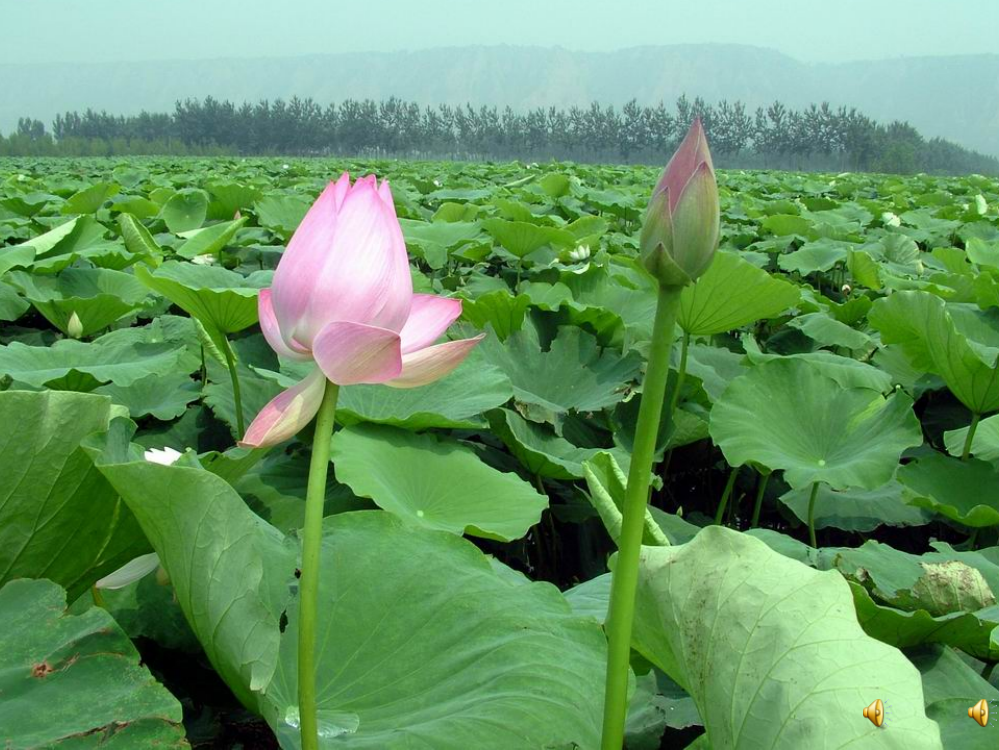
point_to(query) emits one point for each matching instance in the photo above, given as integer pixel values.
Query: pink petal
(385, 193)
(272, 330)
(287, 413)
(351, 353)
(340, 189)
(434, 362)
(428, 319)
(364, 274)
(693, 152)
(305, 257)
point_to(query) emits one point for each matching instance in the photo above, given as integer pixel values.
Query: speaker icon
(980, 712)
(875, 713)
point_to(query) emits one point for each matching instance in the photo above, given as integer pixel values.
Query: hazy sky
(811, 30)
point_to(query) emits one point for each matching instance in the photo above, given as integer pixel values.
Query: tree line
(777, 136)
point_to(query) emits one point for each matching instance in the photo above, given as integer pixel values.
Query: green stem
(98, 597)
(811, 515)
(966, 453)
(230, 361)
(312, 538)
(621, 614)
(761, 489)
(681, 373)
(972, 539)
(723, 503)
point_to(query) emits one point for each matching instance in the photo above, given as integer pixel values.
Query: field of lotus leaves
(824, 521)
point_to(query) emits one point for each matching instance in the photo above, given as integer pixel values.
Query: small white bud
(74, 326)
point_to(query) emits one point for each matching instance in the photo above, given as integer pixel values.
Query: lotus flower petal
(302, 261)
(130, 572)
(428, 319)
(346, 261)
(350, 353)
(287, 413)
(696, 223)
(165, 456)
(432, 363)
(272, 330)
(693, 152)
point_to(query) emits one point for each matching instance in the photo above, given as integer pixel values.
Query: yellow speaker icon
(875, 713)
(980, 712)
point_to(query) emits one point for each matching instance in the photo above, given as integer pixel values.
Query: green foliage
(845, 331)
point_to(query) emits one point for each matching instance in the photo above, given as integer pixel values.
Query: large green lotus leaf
(939, 597)
(82, 237)
(950, 687)
(138, 240)
(75, 681)
(28, 204)
(522, 238)
(210, 240)
(731, 294)
(424, 644)
(984, 445)
(849, 373)
(224, 301)
(857, 509)
(432, 483)
(12, 304)
(499, 309)
(964, 491)
(97, 296)
(786, 414)
(574, 374)
(827, 331)
(186, 210)
(91, 198)
(281, 213)
(814, 256)
(275, 490)
(164, 396)
(59, 518)
(620, 293)
(436, 238)
(971, 632)
(715, 367)
(455, 401)
(541, 451)
(921, 323)
(230, 570)
(119, 357)
(147, 608)
(770, 649)
(230, 197)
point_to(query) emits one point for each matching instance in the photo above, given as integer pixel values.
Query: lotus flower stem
(811, 515)
(681, 373)
(726, 494)
(966, 453)
(621, 614)
(761, 489)
(230, 362)
(312, 538)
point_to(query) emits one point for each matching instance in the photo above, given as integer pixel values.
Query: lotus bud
(74, 326)
(682, 224)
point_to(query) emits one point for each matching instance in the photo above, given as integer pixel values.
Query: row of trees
(818, 137)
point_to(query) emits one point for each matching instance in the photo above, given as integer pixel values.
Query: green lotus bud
(682, 223)
(74, 326)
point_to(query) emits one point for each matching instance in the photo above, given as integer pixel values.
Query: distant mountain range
(956, 97)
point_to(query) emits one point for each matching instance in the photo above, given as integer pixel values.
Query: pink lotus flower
(343, 296)
(680, 233)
